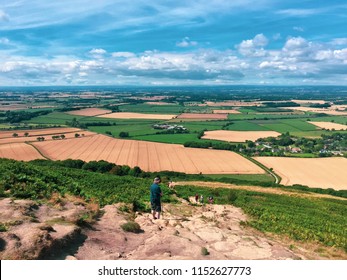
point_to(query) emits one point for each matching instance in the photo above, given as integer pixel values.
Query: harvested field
(22, 139)
(38, 132)
(313, 172)
(19, 151)
(149, 156)
(13, 107)
(233, 103)
(329, 125)
(160, 103)
(203, 116)
(226, 112)
(238, 136)
(125, 115)
(90, 112)
(301, 101)
(335, 111)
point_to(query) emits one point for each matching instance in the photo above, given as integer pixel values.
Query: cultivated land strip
(278, 191)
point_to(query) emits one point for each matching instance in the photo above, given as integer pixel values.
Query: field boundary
(30, 144)
(277, 177)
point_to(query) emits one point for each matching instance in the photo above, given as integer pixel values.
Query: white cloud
(4, 16)
(98, 51)
(339, 41)
(341, 54)
(297, 60)
(123, 54)
(186, 42)
(298, 28)
(253, 47)
(4, 41)
(299, 12)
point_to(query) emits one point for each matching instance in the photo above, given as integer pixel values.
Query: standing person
(156, 195)
(196, 198)
(202, 199)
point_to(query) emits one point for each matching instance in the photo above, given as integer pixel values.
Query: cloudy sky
(173, 42)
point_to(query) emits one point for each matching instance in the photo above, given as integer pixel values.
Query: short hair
(157, 179)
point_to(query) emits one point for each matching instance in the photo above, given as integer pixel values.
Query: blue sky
(164, 42)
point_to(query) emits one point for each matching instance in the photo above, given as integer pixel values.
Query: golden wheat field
(313, 172)
(238, 136)
(149, 156)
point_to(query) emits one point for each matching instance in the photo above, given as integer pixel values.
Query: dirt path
(255, 188)
(182, 233)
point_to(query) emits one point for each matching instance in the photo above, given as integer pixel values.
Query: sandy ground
(329, 125)
(313, 172)
(333, 110)
(38, 132)
(181, 234)
(226, 112)
(203, 116)
(90, 112)
(125, 115)
(149, 156)
(50, 231)
(238, 136)
(19, 151)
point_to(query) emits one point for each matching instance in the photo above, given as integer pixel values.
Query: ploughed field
(126, 115)
(238, 136)
(149, 156)
(38, 132)
(90, 112)
(333, 110)
(313, 172)
(19, 151)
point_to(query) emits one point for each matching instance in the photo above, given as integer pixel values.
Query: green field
(135, 129)
(147, 108)
(168, 138)
(246, 126)
(243, 177)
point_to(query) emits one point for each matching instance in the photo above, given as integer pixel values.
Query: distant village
(286, 145)
(170, 128)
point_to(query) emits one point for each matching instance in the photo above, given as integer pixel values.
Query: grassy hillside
(307, 219)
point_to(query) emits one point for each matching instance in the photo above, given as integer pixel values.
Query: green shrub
(3, 228)
(131, 227)
(204, 251)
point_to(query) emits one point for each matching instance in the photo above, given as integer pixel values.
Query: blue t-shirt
(155, 192)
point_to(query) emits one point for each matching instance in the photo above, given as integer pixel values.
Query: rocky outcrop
(34, 231)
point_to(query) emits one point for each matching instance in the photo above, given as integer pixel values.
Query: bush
(124, 134)
(204, 251)
(139, 206)
(131, 227)
(231, 197)
(2, 228)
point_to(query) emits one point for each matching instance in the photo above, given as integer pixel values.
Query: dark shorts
(156, 206)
